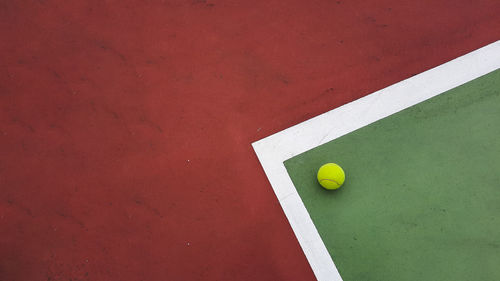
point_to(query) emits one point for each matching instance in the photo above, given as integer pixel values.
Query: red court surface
(126, 126)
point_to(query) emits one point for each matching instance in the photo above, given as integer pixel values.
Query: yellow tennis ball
(331, 176)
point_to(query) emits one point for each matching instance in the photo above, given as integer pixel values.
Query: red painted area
(125, 126)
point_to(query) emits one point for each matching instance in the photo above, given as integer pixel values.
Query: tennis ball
(331, 176)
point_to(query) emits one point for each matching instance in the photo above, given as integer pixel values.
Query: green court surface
(421, 199)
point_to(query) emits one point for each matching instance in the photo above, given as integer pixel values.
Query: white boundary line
(272, 151)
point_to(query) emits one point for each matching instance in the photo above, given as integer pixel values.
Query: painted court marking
(272, 151)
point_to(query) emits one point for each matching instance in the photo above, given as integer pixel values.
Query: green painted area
(421, 199)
